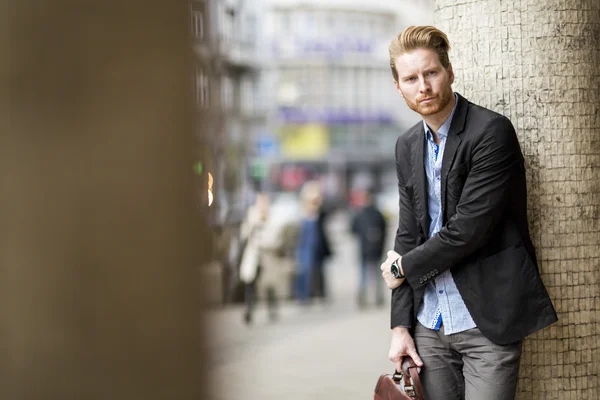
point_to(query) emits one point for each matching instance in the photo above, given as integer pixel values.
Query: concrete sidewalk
(323, 353)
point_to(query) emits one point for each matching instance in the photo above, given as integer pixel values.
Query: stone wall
(537, 62)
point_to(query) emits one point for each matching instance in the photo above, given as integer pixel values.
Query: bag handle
(410, 378)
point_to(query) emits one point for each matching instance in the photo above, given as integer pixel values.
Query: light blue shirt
(441, 295)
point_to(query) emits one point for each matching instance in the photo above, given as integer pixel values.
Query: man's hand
(403, 345)
(390, 281)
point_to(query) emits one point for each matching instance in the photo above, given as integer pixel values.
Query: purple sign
(327, 47)
(293, 115)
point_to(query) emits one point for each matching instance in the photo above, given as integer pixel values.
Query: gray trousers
(466, 365)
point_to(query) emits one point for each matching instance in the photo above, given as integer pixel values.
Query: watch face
(395, 270)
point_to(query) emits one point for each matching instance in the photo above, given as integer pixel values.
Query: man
(313, 246)
(463, 271)
(370, 227)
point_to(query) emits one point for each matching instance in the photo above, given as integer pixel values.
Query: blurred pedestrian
(463, 271)
(313, 246)
(259, 259)
(370, 226)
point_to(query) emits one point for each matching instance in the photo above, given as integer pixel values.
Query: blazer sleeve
(402, 313)
(496, 161)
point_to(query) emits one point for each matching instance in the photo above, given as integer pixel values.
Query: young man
(463, 271)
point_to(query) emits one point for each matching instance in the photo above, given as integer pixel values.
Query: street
(324, 351)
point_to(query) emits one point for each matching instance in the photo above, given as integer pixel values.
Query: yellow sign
(308, 141)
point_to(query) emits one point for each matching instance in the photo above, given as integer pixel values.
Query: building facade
(229, 94)
(332, 103)
(227, 43)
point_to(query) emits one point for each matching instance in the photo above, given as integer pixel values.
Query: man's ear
(398, 88)
(450, 74)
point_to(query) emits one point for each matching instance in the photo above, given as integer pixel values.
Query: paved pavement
(325, 351)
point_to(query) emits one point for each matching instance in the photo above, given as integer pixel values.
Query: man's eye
(432, 72)
(412, 78)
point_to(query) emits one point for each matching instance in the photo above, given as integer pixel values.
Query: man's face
(423, 82)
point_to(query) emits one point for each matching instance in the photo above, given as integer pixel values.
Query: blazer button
(436, 271)
(421, 280)
(428, 275)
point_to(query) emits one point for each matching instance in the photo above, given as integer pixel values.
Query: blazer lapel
(420, 184)
(452, 143)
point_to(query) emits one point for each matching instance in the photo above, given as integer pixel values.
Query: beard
(437, 104)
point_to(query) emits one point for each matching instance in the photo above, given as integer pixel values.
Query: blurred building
(227, 43)
(229, 87)
(334, 112)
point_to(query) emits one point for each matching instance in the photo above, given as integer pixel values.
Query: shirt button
(441, 292)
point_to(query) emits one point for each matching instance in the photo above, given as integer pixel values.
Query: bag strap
(410, 378)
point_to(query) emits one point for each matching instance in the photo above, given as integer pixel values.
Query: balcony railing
(242, 52)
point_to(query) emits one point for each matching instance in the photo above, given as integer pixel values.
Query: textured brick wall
(537, 62)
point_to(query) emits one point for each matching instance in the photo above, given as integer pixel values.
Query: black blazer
(485, 238)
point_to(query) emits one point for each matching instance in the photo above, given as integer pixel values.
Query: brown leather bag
(404, 385)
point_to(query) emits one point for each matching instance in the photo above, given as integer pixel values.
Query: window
(249, 36)
(248, 95)
(330, 21)
(197, 14)
(360, 84)
(379, 84)
(316, 86)
(198, 25)
(227, 93)
(349, 89)
(227, 17)
(284, 23)
(309, 24)
(202, 88)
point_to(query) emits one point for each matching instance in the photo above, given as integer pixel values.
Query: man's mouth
(427, 100)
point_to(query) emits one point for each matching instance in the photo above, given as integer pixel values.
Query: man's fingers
(398, 365)
(391, 257)
(412, 352)
(385, 266)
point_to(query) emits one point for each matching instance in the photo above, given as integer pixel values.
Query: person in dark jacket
(313, 246)
(370, 227)
(322, 253)
(464, 274)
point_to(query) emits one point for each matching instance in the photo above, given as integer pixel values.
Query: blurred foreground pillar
(98, 291)
(537, 62)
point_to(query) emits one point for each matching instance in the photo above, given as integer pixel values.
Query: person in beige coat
(263, 256)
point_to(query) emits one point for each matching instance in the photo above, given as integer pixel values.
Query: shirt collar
(445, 128)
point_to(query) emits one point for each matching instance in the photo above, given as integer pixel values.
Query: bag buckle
(410, 390)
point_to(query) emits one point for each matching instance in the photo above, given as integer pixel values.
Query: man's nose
(424, 85)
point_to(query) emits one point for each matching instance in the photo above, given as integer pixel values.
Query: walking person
(464, 274)
(313, 246)
(370, 226)
(259, 259)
